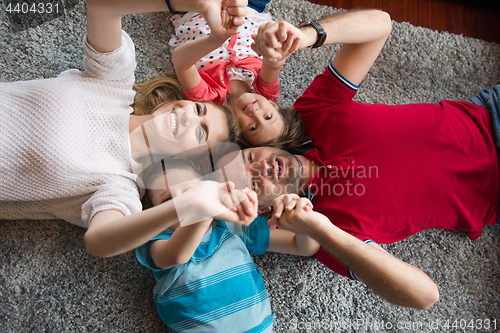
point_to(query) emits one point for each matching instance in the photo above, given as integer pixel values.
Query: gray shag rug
(48, 283)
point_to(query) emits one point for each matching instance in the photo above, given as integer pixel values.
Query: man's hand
(273, 36)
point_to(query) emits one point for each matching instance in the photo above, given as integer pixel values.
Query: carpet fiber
(49, 283)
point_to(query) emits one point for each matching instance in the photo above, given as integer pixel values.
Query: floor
(479, 19)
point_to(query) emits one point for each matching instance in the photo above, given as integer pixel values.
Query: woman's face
(183, 125)
(259, 118)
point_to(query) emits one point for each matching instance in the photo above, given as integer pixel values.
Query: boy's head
(169, 178)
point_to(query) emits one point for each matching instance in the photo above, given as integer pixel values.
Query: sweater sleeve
(118, 65)
(120, 195)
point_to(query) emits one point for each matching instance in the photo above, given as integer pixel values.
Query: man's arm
(391, 278)
(363, 33)
(104, 16)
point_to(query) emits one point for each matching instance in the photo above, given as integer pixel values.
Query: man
(378, 173)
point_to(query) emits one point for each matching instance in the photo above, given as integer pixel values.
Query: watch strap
(319, 29)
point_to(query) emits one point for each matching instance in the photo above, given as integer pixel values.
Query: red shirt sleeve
(268, 90)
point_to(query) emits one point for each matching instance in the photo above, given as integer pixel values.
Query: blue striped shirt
(219, 289)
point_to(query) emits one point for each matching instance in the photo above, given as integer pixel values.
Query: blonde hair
(160, 89)
(163, 88)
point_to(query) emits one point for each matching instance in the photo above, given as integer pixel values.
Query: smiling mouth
(248, 105)
(173, 122)
(278, 168)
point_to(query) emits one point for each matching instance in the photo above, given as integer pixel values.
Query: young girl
(213, 67)
(68, 143)
(206, 277)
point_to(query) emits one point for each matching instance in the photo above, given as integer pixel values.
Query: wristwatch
(321, 33)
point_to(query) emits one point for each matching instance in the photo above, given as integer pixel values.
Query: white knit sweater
(64, 143)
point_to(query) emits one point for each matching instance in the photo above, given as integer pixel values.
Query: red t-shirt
(390, 171)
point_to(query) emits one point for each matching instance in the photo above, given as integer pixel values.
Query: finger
(289, 201)
(227, 200)
(295, 45)
(288, 42)
(229, 186)
(237, 11)
(242, 203)
(278, 207)
(273, 222)
(282, 31)
(237, 21)
(235, 3)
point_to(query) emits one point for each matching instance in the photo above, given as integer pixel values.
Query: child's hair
(290, 137)
(163, 88)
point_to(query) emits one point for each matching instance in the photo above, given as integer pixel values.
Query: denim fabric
(258, 5)
(489, 98)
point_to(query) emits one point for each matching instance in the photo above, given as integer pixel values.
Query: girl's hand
(272, 36)
(289, 46)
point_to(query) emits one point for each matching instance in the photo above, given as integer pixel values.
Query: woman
(68, 142)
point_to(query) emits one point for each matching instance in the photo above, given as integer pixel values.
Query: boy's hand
(291, 212)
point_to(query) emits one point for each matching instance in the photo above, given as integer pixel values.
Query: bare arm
(285, 241)
(110, 233)
(393, 279)
(362, 32)
(185, 57)
(180, 247)
(104, 16)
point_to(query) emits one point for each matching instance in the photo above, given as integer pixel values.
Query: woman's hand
(210, 199)
(223, 17)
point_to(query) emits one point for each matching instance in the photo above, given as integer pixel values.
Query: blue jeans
(258, 5)
(489, 98)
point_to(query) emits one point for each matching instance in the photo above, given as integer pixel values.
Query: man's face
(271, 172)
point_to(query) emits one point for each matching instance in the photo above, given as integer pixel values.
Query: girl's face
(183, 125)
(259, 118)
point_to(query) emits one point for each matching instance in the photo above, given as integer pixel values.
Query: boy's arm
(284, 241)
(185, 57)
(104, 16)
(180, 247)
